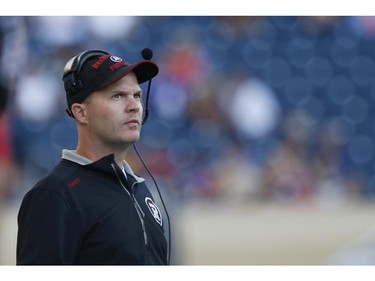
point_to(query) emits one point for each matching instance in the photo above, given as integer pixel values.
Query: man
(91, 209)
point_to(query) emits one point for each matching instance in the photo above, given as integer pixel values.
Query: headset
(73, 85)
(72, 68)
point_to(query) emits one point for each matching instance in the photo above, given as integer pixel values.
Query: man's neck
(98, 153)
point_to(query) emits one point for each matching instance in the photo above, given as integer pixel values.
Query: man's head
(92, 70)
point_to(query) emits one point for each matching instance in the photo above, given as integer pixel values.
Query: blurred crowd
(244, 108)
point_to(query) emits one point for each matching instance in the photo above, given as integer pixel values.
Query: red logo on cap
(117, 65)
(100, 61)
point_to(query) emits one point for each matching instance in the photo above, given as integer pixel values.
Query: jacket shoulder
(62, 175)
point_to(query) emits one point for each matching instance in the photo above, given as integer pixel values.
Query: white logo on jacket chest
(155, 212)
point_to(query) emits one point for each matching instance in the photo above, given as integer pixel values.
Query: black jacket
(90, 215)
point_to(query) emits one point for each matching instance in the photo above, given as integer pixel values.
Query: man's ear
(79, 112)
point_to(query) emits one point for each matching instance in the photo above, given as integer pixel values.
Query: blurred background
(260, 134)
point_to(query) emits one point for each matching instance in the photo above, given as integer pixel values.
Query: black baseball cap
(92, 70)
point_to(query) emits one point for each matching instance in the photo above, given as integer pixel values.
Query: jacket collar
(103, 164)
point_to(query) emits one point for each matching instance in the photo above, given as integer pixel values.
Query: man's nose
(134, 105)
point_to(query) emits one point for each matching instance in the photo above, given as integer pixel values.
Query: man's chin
(132, 139)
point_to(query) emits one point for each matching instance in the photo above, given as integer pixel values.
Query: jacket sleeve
(48, 233)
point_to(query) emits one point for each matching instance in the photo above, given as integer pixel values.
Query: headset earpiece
(73, 67)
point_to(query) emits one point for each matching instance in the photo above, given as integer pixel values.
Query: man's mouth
(133, 121)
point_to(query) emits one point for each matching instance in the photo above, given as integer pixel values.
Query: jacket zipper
(138, 208)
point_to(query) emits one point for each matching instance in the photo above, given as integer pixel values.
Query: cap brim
(145, 70)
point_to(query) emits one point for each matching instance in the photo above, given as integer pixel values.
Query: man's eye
(117, 96)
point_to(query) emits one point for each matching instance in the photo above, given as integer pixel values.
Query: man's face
(114, 113)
